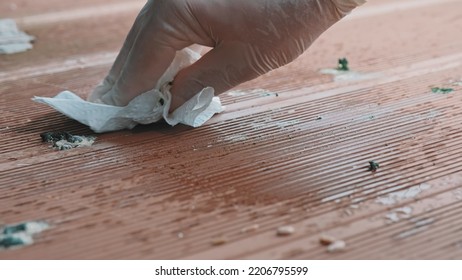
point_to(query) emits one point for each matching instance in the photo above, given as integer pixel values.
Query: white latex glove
(248, 38)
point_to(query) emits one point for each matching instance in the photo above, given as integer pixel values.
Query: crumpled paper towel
(147, 108)
(12, 40)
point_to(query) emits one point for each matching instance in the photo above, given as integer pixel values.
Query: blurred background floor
(291, 149)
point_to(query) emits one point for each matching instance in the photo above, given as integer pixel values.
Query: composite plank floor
(292, 147)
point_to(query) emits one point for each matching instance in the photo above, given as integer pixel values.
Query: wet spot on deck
(341, 75)
(394, 197)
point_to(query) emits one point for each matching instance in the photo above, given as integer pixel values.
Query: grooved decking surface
(158, 192)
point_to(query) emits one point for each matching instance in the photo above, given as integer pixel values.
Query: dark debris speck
(343, 64)
(10, 241)
(442, 90)
(373, 166)
(14, 228)
(63, 140)
(52, 137)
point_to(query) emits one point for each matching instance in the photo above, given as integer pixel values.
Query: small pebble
(326, 240)
(250, 228)
(219, 241)
(285, 230)
(348, 212)
(336, 246)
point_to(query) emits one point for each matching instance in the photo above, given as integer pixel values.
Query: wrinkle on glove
(346, 6)
(146, 108)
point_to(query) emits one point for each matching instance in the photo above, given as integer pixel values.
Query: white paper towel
(12, 40)
(147, 108)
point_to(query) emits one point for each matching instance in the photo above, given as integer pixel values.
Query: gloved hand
(248, 38)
